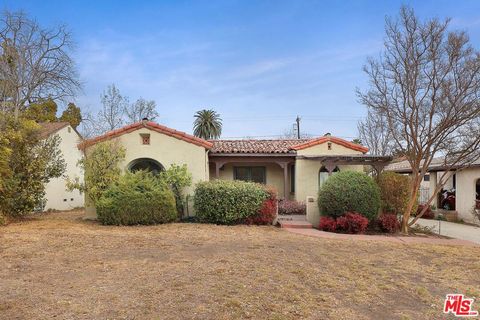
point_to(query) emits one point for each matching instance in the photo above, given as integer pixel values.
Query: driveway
(453, 230)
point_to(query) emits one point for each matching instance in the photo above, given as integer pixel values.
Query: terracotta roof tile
(277, 146)
(149, 125)
(255, 146)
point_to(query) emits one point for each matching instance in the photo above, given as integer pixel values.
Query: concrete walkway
(452, 230)
(396, 239)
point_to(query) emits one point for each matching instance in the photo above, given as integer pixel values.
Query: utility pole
(298, 127)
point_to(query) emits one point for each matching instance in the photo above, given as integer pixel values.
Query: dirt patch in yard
(58, 265)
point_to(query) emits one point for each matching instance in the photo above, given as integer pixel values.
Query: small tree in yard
(101, 167)
(27, 164)
(425, 88)
(178, 178)
(394, 192)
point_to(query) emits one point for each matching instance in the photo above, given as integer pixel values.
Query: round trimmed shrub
(228, 202)
(348, 191)
(395, 192)
(137, 198)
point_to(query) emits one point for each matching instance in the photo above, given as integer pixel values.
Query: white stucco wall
(465, 193)
(166, 150)
(58, 198)
(306, 177)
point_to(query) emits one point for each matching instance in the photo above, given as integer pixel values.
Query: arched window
(323, 175)
(146, 164)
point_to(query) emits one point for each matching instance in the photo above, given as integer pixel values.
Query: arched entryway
(323, 175)
(146, 164)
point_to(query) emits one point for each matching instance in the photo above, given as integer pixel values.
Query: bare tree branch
(425, 89)
(35, 63)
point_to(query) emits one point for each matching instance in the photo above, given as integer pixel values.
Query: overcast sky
(258, 63)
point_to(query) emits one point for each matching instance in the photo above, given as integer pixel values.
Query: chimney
(144, 121)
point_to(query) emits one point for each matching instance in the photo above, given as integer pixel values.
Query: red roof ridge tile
(149, 125)
(342, 142)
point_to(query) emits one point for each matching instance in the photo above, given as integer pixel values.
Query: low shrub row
(354, 222)
(231, 202)
(350, 192)
(350, 222)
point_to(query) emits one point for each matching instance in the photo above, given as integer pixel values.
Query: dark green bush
(137, 198)
(228, 202)
(349, 191)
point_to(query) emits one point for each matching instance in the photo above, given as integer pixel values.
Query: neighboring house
(56, 195)
(296, 168)
(465, 180)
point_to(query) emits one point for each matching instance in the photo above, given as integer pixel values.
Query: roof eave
(251, 154)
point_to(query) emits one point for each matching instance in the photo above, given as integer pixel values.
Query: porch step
(291, 217)
(297, 224)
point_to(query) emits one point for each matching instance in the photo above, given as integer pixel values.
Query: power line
(280, 136)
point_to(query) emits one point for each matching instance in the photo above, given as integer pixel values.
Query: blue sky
(258, 63)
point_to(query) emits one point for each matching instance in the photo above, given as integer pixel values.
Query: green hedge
(228, 202)
(349, 191)
(137, 198)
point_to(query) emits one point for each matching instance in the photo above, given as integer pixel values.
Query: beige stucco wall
(306, 177)
(465, 193)
(166, 150)
(57, 196)
(273, 172)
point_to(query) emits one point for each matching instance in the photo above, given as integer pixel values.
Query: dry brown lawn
(58, 266)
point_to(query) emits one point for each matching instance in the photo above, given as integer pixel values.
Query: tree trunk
(411, 203)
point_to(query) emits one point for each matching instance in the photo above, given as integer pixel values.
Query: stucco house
(56, 195)
(464, 179)
(296, 168)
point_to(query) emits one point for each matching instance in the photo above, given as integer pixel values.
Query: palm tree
(207, 124)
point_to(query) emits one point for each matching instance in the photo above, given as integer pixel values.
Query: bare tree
(112, 114)
(141, 109)
(35, 63)
(291, 133)
(374, 134)
(426, 86)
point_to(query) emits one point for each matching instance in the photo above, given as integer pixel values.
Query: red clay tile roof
(149, 125)
(255, 146)
(276, 146)
(49, 128)
(342, 142)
